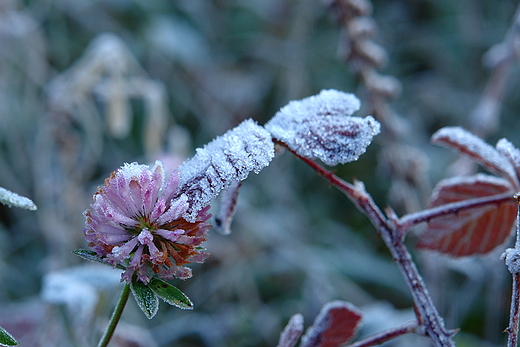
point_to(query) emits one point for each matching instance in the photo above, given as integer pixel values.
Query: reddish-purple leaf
(228, 203)
(336, 324)
(476, 230)
(474, 147)
(509, 151)
(292, 331)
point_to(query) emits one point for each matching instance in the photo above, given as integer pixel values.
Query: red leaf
(474, 147)
(476, 230)
(228, 203)
(509, 151)
(336, 324)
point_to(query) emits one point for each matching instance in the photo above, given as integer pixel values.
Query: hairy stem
(512, 329)
(512, 264)
(116, 315)
(432, 324)
(390, 334)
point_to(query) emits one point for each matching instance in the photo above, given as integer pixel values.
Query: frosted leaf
(320, 127)
(471, 231)
(292, 332)
(170, 294)
(508, 150)
(10, 199)
(336, 324)
(474, 147)
(7, 339)
(227, 159)
(228, 202)
(145, 298)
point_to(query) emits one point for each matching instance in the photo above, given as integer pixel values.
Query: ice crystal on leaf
(472, 146)
(480, 209)
(292, 332)
(10, 199)
(509, 151)
(136, 221)
(321, 126)
(227, 159)
(472, 231)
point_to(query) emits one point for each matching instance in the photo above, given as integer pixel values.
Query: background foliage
(171, 76)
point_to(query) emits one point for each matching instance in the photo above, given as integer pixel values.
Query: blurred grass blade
(7, 339)
(146, 299)
(172, 295)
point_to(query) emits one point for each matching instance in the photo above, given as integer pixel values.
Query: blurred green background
(86, 85)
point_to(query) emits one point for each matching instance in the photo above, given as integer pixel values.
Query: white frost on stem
(10, 199)
(321, 126)
(511, 257)
(292, 332)
(227, 159)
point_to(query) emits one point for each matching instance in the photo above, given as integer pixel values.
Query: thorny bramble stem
(432, 324)
(116, 315)
(512, 329)
(390, 334)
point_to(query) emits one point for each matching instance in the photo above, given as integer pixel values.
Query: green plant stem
(116, 315)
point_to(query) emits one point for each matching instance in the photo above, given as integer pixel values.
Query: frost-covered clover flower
(135, 221)
(149, 225)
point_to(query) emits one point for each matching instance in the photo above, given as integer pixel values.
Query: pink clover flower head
(136, 220)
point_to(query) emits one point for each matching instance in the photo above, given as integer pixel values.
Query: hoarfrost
(508, 150)
(145, 298)
(10, 199)
(465, 142)
(511, 257)
(292, 331)
(227, 159)
(320, 127)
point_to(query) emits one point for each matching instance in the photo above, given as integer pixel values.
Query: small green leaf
(7, 339)
(146, 299)
(172, 295)
(93, 256)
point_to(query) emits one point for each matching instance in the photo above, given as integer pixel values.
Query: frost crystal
(292, 331)
(511, 257)
(10, 199)
(227, 159)
(474, 147)
(508, 150)
(320, 127)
